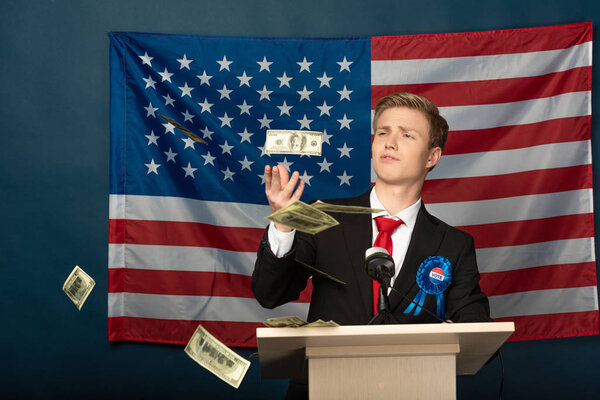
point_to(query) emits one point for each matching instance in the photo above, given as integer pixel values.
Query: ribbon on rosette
(433, 277)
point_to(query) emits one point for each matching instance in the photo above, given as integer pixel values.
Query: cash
(285, 322)
(183, 129)
(321, 324)
(296, 322)
(304, 218)
(78, 286)
(219, 359)
(336, 208)
(293, 142)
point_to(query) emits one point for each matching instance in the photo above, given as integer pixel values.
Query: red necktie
(386, 227)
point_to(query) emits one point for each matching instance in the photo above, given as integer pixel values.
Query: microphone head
(379, 265)
(375, 250)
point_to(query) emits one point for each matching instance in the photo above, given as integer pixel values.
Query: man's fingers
(284, 175)
(288, 189)
(298, 193)
(267, 178)
(275, 181)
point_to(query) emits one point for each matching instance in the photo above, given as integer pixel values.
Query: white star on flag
(205, 106)
(150, 110)
(189, 171)
(204, 79)
(304, 65)
(152, 167)
(264, 65)
(344, 64)
(186, 90)
(184, 62)
(166, 76)
(152, 138)
(224, 64)
(345, 151)
(344, 178)
(228, 174)
(146, 59)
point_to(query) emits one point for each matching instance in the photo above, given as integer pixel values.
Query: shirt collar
(408, 215)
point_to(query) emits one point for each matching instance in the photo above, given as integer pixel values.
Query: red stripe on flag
(539, 278)
(531, 231)
(493, 91)
(180, 331)
(169, 233)
(561, 130)
(410, 47)
(532, 327)
(499, 186)
(116, 231)
(185, 283)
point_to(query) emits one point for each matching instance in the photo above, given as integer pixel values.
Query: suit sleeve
(465, 302)
(276, 281)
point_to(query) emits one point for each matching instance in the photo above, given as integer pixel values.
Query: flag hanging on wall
(186, 217)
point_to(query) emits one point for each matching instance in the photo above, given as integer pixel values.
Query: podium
(418, 361)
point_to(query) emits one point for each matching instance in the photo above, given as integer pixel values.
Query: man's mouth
(388, 157)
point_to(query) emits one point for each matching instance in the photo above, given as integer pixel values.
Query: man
(409, 136)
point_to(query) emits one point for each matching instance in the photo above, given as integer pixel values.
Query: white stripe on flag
(509, 209)
(508, 258)
(478, 68)
(484, 116)
(165, 208)
(181, 258)
(556, 155)
(197, 307)
(539, 302)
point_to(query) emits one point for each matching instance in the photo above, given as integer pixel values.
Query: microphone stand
(384, 314)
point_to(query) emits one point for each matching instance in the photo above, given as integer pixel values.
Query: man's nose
(390, 141)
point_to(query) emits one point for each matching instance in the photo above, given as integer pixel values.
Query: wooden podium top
(282, 350)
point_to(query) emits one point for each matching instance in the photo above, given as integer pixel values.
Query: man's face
(400, 150)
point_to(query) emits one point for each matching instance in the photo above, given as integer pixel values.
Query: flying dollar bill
(293, 142)
(336, 208)
(304, 218)
(183, 129)
(219, 359)
(78, 286)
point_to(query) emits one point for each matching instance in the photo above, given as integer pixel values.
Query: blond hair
(438, 127)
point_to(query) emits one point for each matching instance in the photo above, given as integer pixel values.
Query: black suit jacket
(339, 251)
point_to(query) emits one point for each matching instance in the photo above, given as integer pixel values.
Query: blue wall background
(54, 153)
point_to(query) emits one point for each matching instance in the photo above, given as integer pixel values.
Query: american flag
(186, 217)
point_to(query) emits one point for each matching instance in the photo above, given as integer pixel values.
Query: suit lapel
(425, 241)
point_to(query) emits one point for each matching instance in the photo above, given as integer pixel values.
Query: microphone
(380, 265)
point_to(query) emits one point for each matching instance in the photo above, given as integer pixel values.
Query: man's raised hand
(281, 189)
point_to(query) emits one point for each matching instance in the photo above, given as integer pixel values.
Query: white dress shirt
(281, 242)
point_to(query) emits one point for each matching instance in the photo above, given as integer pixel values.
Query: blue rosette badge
(433, 277)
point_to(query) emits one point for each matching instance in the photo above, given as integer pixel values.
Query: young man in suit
(409, 136)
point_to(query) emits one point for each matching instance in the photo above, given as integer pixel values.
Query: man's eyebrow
(402, 128)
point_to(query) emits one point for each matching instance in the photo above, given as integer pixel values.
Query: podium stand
(380, 362)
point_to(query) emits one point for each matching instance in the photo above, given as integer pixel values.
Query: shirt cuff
(280, 242)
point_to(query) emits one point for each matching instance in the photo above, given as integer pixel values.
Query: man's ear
(434, 157)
